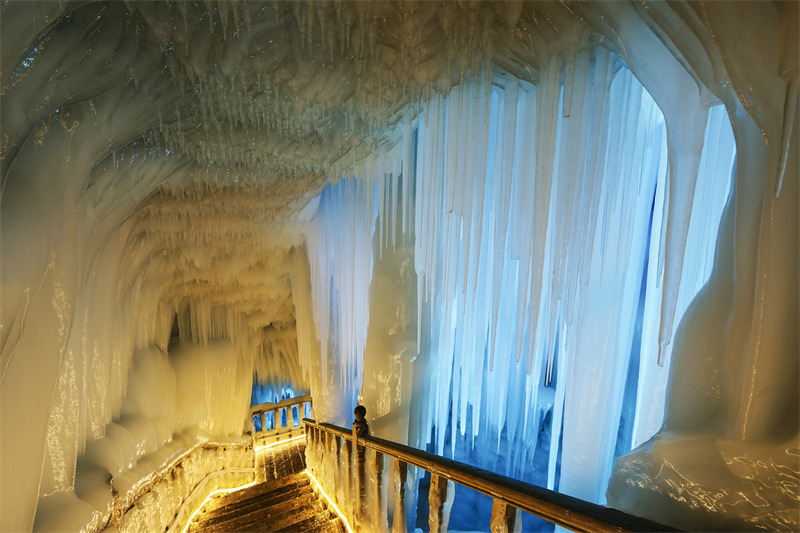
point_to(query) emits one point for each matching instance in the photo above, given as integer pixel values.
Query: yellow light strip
(279, 442)
(341, 515)
(212, 493)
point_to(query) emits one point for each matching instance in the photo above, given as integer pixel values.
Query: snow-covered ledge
(159, 493)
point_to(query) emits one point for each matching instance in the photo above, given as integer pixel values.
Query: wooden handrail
(278, 430)
(268, 406)
(560, 509)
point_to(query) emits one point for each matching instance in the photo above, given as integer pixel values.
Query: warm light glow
(338, 512)
(212, 493)
(279, 442)
(226, 491)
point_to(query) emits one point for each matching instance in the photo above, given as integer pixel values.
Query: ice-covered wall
(163, 159)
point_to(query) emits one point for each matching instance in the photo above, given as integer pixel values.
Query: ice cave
(555, 240)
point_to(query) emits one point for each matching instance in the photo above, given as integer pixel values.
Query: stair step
(256, 504)
(306, 519)
(288, 504)
(264, 490)
(315, 524)
(257, 519)
(333, 525)
(284, 461)
(273, 485)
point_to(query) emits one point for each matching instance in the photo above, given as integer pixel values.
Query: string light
(279, 443)
(227, 491)
(210, 495)
(335, 507)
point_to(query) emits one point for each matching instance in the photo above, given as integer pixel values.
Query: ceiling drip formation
(268, 91)
(229, 246)
(266, 100)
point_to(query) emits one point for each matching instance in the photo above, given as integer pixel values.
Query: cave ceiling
(237, 112)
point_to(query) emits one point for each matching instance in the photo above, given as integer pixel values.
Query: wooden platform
(284, 501)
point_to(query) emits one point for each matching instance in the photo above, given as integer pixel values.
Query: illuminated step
(287, 504)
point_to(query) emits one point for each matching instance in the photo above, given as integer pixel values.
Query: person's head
(360, 411)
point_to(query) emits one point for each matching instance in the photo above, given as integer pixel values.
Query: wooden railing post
(348, 472)
(310, 448)
(361, 489)
(290, 417)
(361, 429)
(400, 474)
(263, 418)
(440, 500)
(339, 472)
(329, 463)
(505, 518)
(276, 414)
(378, 510)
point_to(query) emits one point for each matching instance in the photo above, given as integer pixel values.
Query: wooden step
(305, 518)
(314, 524)
(261, 495)
(256, 506)
(283, 461)
(288, 504)
(276, 518)
(261, 488)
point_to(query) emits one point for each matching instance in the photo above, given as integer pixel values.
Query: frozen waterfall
(508, 221)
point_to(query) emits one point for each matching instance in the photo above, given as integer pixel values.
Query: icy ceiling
(260, 92)
(249, 108)
(246, 108)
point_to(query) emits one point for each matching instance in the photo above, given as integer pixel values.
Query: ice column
(339, 247)
(533, 225)
(711, 192)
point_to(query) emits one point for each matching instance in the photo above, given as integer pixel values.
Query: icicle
(789, 116)
(406, 174)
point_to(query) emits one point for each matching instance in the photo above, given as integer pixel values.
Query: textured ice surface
(192, 159)
(160, 490)
(522, 261)
(163, 433)
(733, 486)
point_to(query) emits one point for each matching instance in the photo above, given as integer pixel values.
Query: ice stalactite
(308, 345)
(489, 250)
(339, 243)
(731, 411)
(278, 374)
(513, 258)
(391, 348)
(713, 188)
(486, 256)
(364, 218)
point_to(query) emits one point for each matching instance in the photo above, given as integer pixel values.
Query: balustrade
(339, 458)
(270, 422)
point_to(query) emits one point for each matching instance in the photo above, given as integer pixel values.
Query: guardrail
(337, 457)
(279, 420)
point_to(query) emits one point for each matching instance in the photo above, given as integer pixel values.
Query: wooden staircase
(287, 504)
(283, 500)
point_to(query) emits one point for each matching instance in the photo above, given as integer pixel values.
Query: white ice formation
(533, 236)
